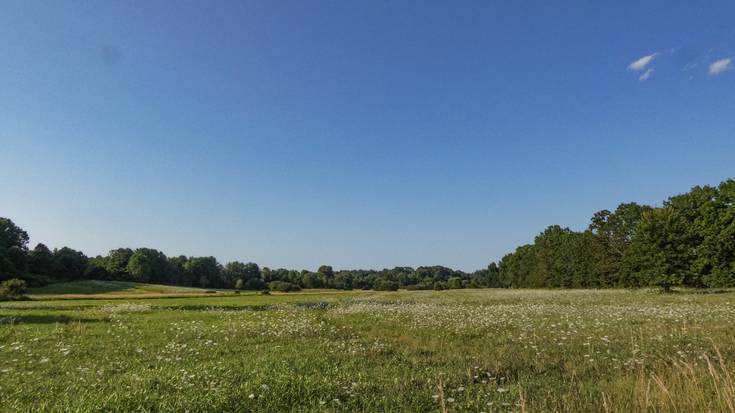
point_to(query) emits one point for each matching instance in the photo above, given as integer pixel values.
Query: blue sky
(358, 134)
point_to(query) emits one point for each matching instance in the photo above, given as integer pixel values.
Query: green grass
(110, 287)
(457, 351)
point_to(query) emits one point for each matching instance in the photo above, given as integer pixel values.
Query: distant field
(107, 288)
(455, 351)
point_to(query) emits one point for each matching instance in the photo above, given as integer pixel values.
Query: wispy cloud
(720, 66)
(641, 63)
(646, 75)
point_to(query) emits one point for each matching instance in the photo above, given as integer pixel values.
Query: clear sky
(358, 134)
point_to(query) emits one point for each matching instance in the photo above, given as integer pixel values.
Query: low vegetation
(454, 351)
(13, 289)
(97, 287)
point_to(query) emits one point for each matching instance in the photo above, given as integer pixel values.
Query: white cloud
(641, 63)
(646, 75)
(720, 66)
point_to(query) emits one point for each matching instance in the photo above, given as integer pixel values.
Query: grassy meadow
(420, 351)
(111, 289)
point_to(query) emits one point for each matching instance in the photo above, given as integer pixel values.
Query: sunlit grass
(462, 350)
(110, 287)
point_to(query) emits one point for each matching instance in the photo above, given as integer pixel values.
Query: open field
(457, 351)
(111, 289)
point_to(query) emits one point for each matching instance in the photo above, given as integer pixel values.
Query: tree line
(41, 265)
(688, 241)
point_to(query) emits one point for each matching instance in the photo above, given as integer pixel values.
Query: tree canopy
(688, 241)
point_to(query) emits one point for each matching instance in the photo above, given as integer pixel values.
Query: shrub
(385, 285)
(419, 286)
(255, 284)
(283, 286)
(454, 283)
(12, 289)
(440, 285)
(37, 280)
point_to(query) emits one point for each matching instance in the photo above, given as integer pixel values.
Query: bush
(37, 280)
(419, 286)
(385, 285)
(255, 284)
(440, 285)
(13, 289)
(283, 286)
(454, 283)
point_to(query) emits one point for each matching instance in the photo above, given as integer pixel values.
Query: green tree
(283, 286)
(326, 271)
(12, 235)
(310, 280)
(206, 271)
(454, 283)
(716, 254)
(117, 263)
(40, 260)
(147, 265)
(248, 273)
(177, 273)
(492, 276)
(660, 255)
(612, 234)
(69, 264)
(13, 248)
(385, 285)
(96, 269)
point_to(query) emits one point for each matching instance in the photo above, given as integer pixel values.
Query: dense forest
(688, 241)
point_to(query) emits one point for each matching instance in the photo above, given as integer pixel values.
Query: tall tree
(117, 263)
(326, 271)
(12, 235)
(69, 264)
(206, 271)
(147, 265)
(40, 260)
(612, 234)
(249, 274)
(13, 248)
